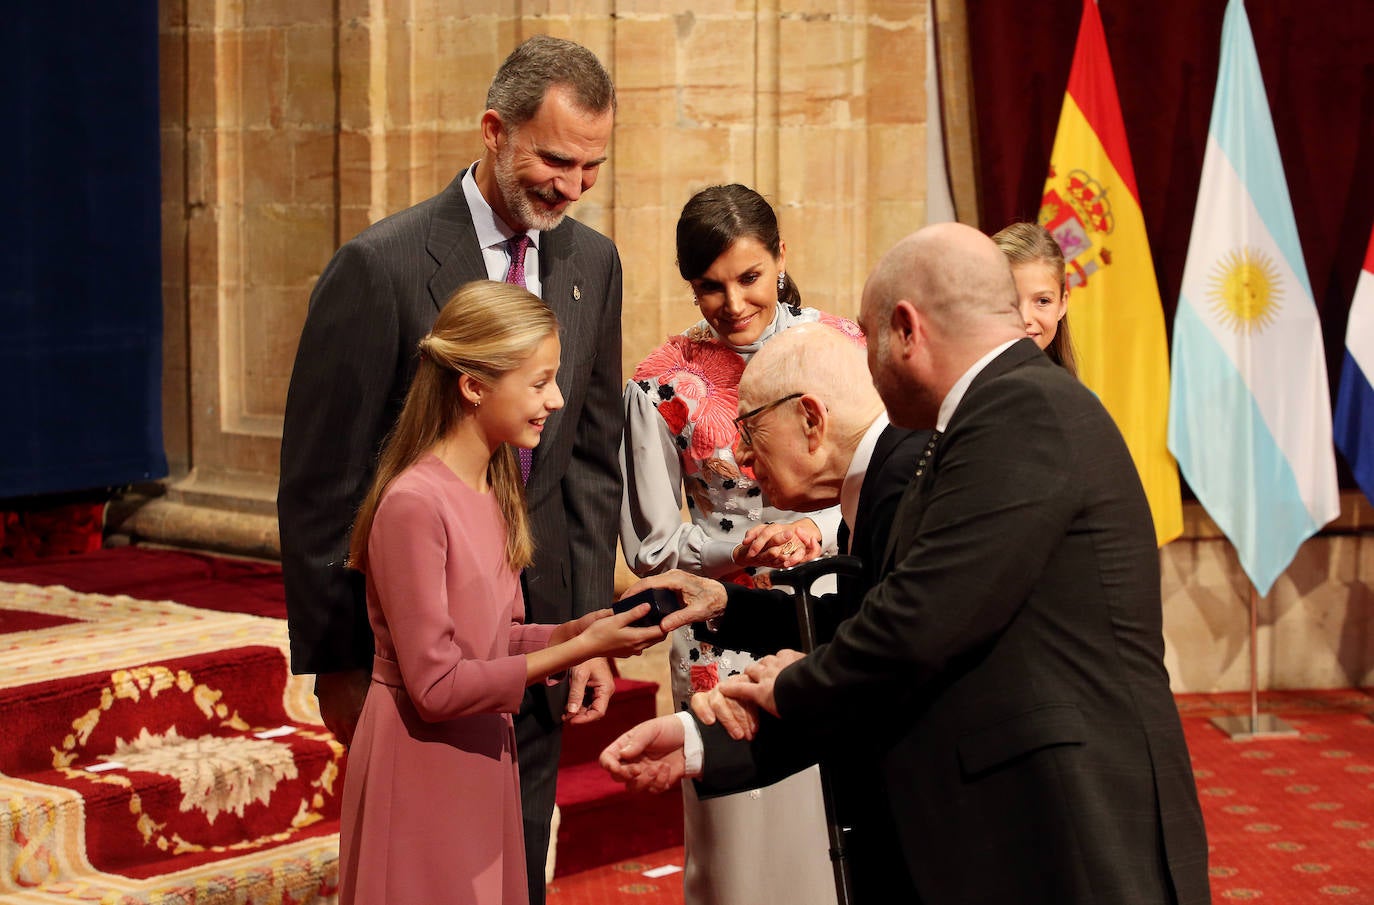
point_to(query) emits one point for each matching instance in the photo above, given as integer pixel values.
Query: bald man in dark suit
(1028, 744)
(545, 132)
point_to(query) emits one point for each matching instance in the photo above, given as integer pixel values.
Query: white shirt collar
(956, 392)
(491, 230)
(858, 467)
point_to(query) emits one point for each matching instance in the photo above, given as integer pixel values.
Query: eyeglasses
(746, 439)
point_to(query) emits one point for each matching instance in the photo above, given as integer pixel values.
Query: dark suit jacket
(1032, 750)
(376, 299)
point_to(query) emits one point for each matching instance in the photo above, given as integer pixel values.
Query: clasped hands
(779, 545)
(735, 703)
(650, 757)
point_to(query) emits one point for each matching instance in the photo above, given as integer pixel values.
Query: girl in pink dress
(431, 809)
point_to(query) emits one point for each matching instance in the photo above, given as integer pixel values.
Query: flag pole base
(1244, 728)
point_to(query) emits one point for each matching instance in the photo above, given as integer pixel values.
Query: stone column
(250, 115)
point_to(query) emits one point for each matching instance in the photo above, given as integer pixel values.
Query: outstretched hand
(649, 757)
(702, 598)
(606, 633)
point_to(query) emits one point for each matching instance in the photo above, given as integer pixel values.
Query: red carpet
(195, 579)
(196, 780)
(1290, 821)
(602, 823)
(63, 650)
(623, 882)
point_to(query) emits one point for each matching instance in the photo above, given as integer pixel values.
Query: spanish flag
(1092, 206)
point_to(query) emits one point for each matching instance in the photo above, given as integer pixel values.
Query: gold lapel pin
(577, 293)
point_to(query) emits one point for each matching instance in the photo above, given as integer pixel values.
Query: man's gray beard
(517, 197)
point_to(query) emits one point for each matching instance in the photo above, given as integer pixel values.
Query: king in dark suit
(551, 111)
(1028, 744)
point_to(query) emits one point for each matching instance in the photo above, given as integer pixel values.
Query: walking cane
(800, 579)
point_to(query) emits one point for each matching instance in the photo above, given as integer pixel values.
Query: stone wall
(289, 125)
(1314, 629)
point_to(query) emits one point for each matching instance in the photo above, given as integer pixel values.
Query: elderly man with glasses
(814, 433)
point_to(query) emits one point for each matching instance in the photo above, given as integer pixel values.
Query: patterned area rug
(1289, 820)
(154, 752)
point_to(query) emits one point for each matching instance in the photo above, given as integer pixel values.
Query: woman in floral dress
(680, 434)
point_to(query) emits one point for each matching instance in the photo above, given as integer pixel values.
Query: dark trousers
(538, 740)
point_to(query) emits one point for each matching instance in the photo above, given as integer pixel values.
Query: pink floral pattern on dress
(706, 376)
(704, 678)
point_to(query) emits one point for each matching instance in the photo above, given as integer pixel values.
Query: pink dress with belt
(431, 806)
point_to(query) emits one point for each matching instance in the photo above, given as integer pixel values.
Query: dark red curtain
(1317, 57)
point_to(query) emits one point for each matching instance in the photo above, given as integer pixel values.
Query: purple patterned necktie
(518, 244)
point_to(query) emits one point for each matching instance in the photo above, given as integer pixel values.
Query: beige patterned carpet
(157, 753)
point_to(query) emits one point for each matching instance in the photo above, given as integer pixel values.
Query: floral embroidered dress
(680, 408)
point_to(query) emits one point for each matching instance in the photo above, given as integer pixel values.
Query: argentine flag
(1249, 412)
(1355, 402)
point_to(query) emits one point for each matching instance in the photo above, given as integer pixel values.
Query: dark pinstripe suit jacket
(378, 296)
(1031, 749)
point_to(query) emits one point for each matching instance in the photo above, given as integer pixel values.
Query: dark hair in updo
(716, 218)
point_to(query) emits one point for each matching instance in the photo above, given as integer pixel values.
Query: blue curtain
(80, 250)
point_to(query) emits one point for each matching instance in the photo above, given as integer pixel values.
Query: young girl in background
(1037, 266)
(431, 808)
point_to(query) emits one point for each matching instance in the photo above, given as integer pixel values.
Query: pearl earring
(782, 280)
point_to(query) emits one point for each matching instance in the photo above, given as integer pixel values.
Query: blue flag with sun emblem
(1249, 409)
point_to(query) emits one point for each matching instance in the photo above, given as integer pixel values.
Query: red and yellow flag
(1092, 206)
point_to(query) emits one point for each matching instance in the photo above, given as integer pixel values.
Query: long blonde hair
(1031, 243)
(484, 331)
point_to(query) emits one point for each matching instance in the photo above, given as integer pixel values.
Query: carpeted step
(602, 823)
(632, 703)
(233, 686)
(182, 693)
(188, 759)
(154, 752)
(195, 579)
